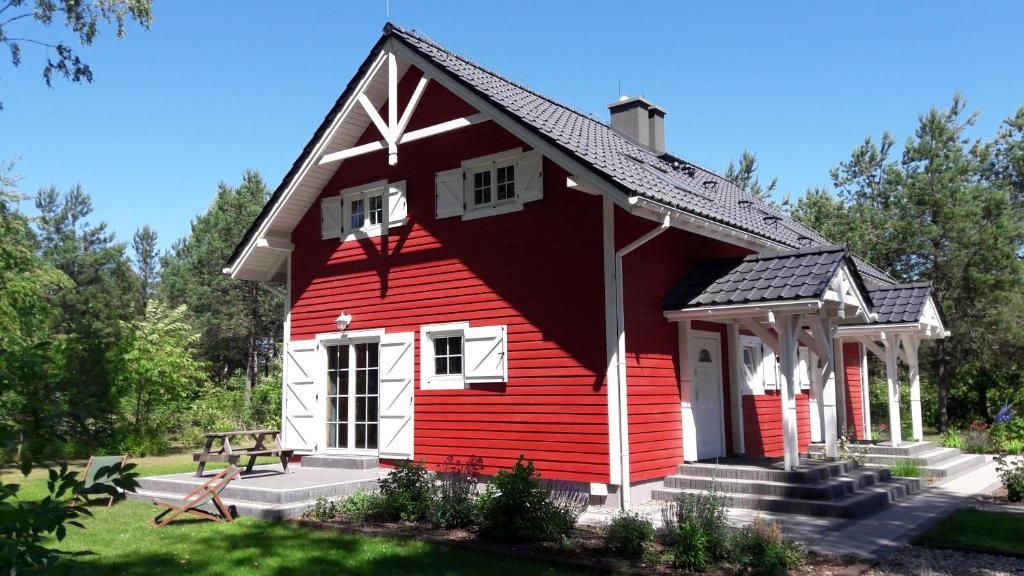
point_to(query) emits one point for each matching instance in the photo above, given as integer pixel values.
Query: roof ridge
(424, 38)
(804, 251)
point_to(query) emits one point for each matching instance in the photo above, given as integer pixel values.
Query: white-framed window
(456, 355)
(490, 185)
(363, 211)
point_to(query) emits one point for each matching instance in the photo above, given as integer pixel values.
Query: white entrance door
(353, 391)
(705, 358)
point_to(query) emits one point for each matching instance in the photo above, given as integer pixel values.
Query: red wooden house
(475, 269)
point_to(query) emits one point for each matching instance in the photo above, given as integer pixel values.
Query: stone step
(950, 468)
(852, 505)
(830, 489)
(238, 507)
(807, 471)
(260, 495)
(924, 459)
(347, 462)
(905, 449)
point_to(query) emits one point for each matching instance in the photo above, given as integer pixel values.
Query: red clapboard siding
(539, 271)
(854, 408)
(762, 424)
(652, 342)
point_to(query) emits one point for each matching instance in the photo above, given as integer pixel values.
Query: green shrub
(906, 467)
(760, 549)
(1011, 472)
(705, 512)
(567, 503)
(628, 533)
(454, 500)
(952, 439)
(407, 491)
(1008, 435)
(323, 510)
(691, 550)
(358, 507)
(977, 439)
(516, 506)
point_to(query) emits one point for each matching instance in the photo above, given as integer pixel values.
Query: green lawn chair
(92, 475)
(210, 491)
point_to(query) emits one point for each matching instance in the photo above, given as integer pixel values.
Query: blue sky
(217, 87)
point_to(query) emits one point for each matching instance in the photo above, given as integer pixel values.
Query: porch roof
(900, 303)
(781, 277)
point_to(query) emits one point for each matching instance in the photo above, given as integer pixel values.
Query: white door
(397, 367)
(708, 414)
(298, 423)
(353, 391)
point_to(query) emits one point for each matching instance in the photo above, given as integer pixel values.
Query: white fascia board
(753, 310)
(311, 160)
(654, 210)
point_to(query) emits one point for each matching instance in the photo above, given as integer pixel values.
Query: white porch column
(910, 345)
(736, 377)
(828, 399)
(787, 327)
(840, 380)
(815, 403)
(865, 392)
(685, 391)
(892, 380)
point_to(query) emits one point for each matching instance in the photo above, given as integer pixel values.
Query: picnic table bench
(266, 444)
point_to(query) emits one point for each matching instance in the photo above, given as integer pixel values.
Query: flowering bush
(977, 439)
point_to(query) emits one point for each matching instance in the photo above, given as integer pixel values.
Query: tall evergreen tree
(743, 173)
(240, 321)
(147, 261)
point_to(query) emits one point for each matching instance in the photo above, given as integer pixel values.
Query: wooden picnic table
(266, 444)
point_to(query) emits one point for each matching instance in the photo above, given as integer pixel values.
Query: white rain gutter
(620, 357)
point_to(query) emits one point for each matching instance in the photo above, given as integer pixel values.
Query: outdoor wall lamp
(343, 321)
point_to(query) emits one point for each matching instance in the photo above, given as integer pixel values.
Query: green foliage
(690, 548)
(82, 18)
(1011, 472)
(700, 518)
(760, 549)
(1008, 435)
(629, 533)
(952, 439)
(906, 467)
(323, 510)
(362, 506)
(454, 500)
(158, 377)
(407, 491)
(743, 174)
(977, 439)
(240, 321)
(517, 507)
(948, 211)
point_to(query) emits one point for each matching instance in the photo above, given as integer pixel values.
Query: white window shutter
(769, 368)
(448, 189)
(299, 423)
(330, 217)
(530, 177)
(485, 357)
(396, 395)
(397, 207)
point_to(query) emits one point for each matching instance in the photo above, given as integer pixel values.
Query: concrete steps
(934, 461)
(834, 489)
(345, 462)
(237, 507)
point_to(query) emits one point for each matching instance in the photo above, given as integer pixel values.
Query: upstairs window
(363, 211)
(490, 185)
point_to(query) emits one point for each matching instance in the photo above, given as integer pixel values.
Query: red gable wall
(539, 271)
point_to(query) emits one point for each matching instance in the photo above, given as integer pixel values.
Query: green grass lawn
(978, 530)
(124, 544)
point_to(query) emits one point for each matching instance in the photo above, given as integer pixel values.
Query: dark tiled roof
(635, 169)
(792, 275)
(900, 303)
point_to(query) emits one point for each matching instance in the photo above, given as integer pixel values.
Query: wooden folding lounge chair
(209, 491)
(92, 476)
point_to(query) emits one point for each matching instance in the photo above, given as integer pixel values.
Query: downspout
(620, 357)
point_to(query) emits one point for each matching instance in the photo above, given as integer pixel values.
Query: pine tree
(147, 261)
(744, 174)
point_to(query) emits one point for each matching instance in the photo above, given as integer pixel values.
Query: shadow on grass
(251, 547)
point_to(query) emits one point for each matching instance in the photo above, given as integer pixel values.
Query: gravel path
(933, 562)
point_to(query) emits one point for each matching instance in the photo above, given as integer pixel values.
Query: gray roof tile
(900, 303)
(789, 275)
